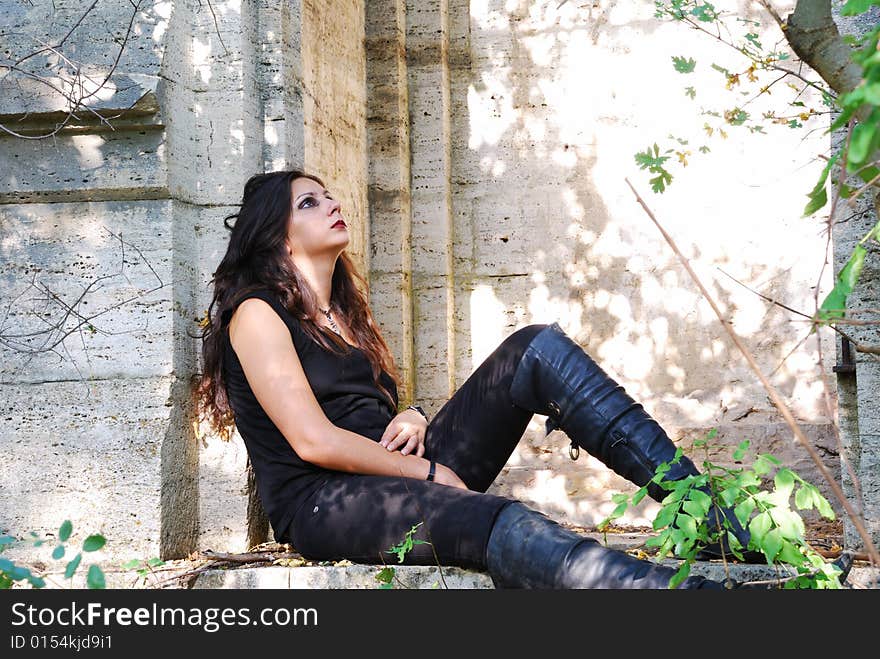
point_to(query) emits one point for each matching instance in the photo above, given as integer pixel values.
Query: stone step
(345, 575)
(428, 577)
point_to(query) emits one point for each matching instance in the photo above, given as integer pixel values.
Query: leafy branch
(11, 572)
(685, 527)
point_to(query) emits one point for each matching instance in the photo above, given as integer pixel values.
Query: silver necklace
(333, 324)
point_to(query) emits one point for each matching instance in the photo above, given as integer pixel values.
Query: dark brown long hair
(257, 258)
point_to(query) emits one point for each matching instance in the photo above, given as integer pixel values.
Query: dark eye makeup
(311, 199)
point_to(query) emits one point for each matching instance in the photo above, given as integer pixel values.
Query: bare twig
(252, 557)
(77, 97)
(51, 338)
(771, 390)
(217, 26)
(745, 53)
(859, 347)
(770, 10)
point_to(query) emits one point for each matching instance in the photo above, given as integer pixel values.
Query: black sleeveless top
(343, 386)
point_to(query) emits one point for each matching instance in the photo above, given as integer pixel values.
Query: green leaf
(680, 575)
(95, 578)
(37, 582)
(693, 509)
(736, 117)
(784, 481)
(683, 65)
(823, 506)
(734, 543)
(638, 496)
(687, 524)
(740, 450)
(130, 565)
(834, 304)
(703, 500)
(6, 540)
(744, 511)
(818, 199)
(72, 565)
(705, 12)
(788, 522)
(872, 93)
(790, 554)
(407, 544)
(94, 542)
(655, 540)
(58, 552)
(664, 517)
(818, 196)
(19, 572)
(65, 530)
(759, 526)
(803, 498)
(385, 575)
(729, 495)
(771, 543)
(673, 497)
(762, 465)
(868, 174)
(855, 7)
(861, 144)
(155, 562)
(661, 182)
(645, 160)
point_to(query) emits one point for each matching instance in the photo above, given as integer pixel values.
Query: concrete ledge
(428, 577)
(350, 577)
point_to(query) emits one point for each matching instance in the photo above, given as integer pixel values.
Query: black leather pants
(361, 517)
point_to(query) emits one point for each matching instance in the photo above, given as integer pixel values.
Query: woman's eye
(305, 201)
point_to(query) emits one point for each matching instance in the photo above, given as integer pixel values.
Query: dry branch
(771, 390)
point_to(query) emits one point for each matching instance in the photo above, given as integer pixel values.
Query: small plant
(387, 574)
(143, 567)
(686, 527)
(10, 572)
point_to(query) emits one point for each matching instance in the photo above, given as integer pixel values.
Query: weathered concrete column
(215, 137)
(858, 380)
(388, 143)
(333, 84)
(433, 237)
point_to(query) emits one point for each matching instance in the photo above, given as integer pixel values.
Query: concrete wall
(480, 149)
(131, 220)
(523, 120)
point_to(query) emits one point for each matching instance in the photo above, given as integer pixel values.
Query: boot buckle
(574, 451)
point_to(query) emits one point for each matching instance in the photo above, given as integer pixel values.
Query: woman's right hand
(445, 476)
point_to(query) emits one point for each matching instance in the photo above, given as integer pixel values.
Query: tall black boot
(556, 377)
(527, 549)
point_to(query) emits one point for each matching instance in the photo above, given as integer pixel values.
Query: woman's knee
(524, 335)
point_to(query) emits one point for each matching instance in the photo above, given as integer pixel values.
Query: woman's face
(314, 228)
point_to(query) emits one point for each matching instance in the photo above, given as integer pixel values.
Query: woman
(292, 355)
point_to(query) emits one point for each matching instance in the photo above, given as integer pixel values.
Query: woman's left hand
(407, 433)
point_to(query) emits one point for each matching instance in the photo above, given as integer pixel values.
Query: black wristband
(431, 470)
(419, 410)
